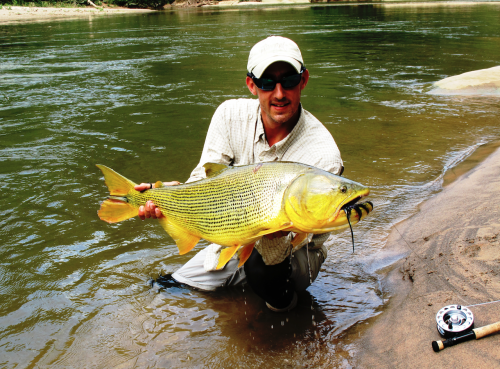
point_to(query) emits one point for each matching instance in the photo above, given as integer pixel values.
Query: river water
(136, 93)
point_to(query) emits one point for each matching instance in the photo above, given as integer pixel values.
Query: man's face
(279, 106)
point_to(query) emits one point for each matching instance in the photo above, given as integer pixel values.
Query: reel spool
(454, 320)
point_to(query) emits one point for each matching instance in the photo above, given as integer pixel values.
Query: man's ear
(305, 79)
(251, 86)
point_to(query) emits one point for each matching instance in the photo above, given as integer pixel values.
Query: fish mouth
(350, 204)
(354, 200)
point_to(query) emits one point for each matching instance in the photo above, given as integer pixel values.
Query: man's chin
(282, 115)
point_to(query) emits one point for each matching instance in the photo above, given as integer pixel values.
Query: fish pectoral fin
(184, 240)
(299, 238)
(113, 211)
(282, 227)
(211, 169)
(225, 255)
(245, 253)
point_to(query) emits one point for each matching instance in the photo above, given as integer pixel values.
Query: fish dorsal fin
(225, 255)
(211, 169)
(159, 184)
(245, 253)
(184, 240)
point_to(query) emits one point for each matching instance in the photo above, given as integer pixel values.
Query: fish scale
(227, 203)
(236, 206)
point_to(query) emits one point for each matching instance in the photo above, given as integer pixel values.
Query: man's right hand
(150, 210)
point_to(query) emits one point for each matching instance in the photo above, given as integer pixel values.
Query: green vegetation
(155, 4)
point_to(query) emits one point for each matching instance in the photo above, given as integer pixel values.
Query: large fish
(237, 205)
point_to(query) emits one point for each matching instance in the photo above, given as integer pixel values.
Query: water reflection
(137, 94)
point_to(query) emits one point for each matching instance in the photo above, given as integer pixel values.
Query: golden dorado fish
(235, 206)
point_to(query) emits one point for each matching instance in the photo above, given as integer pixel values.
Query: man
(273, 128)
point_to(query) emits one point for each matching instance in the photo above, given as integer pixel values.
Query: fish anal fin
(184, 240)
(211, 169)
(245, 253)
(225, 255)
(299, 237)
(113, 211)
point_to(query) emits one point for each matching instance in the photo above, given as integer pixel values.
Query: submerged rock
(478, 82)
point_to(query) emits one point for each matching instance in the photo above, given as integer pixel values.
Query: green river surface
(137, 93)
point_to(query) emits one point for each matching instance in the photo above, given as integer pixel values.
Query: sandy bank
(15, 14)
(454, 245)
(19, 14)
(10, 14)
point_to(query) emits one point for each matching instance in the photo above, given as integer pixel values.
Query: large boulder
(483, 81)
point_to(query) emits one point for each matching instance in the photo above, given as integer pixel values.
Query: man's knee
(305, 269)
(270, 282)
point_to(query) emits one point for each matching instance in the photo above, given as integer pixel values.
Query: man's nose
(279, 91)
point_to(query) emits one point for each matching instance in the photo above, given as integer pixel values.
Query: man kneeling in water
(273, 127)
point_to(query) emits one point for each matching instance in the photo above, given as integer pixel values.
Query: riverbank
(454, 258)
(19, 14)
(10, 14)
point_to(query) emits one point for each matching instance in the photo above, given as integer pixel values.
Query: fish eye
(343, 189)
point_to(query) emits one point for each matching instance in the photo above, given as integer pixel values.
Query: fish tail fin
(116, 208)
(117, 184)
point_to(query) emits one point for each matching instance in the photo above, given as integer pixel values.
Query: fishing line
(407, 244)
(427, 263)
(309, 264)
(348, 214)
(484, 303)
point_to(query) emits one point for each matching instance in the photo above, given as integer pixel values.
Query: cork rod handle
(486, 330)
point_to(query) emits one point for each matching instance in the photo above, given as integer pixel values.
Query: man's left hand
(150, 210)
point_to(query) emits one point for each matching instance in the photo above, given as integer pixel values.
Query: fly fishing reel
(454, 320)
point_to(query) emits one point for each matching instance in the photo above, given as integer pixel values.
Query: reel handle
(476, 333)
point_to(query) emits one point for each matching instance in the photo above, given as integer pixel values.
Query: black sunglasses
(268, 84)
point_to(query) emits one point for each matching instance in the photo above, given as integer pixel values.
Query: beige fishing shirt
(236, 137)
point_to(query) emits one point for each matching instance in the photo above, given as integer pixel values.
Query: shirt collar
(259, 129)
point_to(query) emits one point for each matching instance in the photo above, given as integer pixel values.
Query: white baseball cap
(272, 50)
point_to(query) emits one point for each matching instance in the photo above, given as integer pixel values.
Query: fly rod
(476, 333)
